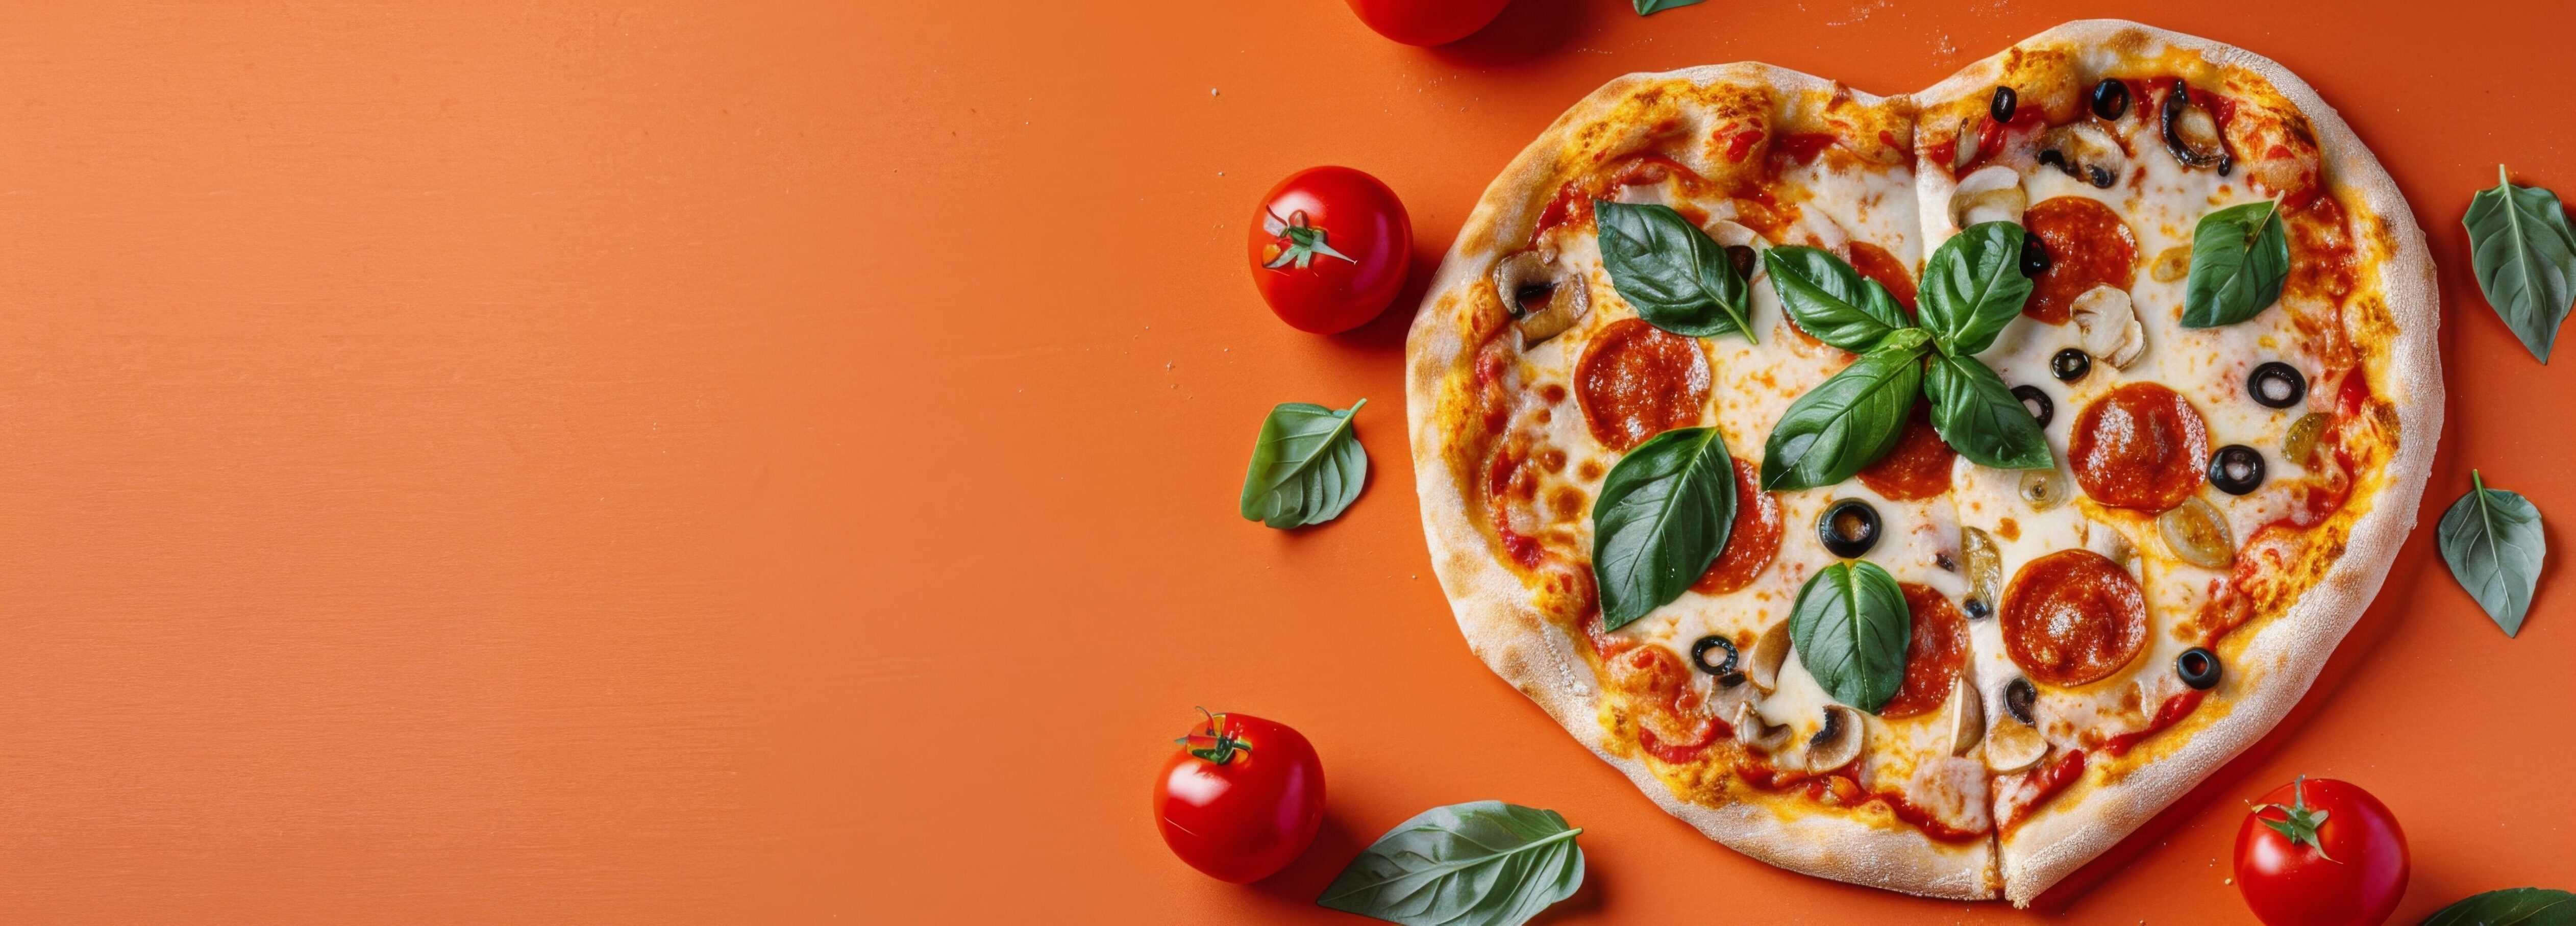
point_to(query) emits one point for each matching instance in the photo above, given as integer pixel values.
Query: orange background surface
(679, 463)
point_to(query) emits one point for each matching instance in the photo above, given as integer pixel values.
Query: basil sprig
(2493, 543)
(1306, 468)
(1844, 423)
(1831, 301)
(1972, 288)
(2514, 906)
(1850, 629)
(1663, 516)
(1979, 416)
(1483, 863)
(1678, 279)
(2525, 258)
(2240, 256)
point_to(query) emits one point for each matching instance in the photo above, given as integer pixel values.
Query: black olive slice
(2034, 256)
(2198, 668)
(2276, 385)
(1848, 528)
(1731, 679)
(1976, 607)
(2020, 696)
(1700, 655)
(2070, 364)
(2099, 176)
(2004, 103)
(2192, 133)
(2037, 403)
(2236, 469)
(2111, 98)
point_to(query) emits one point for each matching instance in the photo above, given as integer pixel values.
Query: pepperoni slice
(1875, 263)
(1933, 658)
(2087, 245)
(1918, 468)
(1637, 381)
(2072, 617)
(2142, 446)
(1751, 543)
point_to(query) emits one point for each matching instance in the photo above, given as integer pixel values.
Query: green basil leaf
(2517, 906)
(1306, 468)
(1979, 417)
(1645, 7)
(2525, 258)
(1678, 279)
(1850, 629)
(1662, 518)
(2492, 541)
(1845, 423)
(1831, 301)
(2240, 256)
(1483, 863)
(1972, 287)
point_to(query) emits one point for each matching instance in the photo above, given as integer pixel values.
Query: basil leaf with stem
(1306, 468)
(1972, 287)
(1981, 419)
(1845, 422)
(1829, 300)
(2513, 906)
(1678, 278)
(1648, 7)
(1663, 516)
(2240, 256)
(2525, 257)
(2492, 541)
(1850, 628)
(1483, 863)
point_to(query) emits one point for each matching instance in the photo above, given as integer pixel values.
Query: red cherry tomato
(2321, 853)
(1427, 22)
(1330, 246)
(1241, 799)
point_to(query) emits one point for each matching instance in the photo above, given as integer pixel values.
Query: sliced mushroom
(1542, 297)
(2110, 326)
(2012, 746)
(1837, 742)
(1984, 565)
(1769, 651)
(1992, 194)
(2085, 151)
(1965, 152)
(2192, 133)
(1753, 732)
(1967, 717)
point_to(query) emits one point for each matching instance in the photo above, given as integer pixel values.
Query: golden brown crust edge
(2280, 661)
(1492, 605)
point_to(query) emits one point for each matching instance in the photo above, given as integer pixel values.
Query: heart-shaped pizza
(1924, 491)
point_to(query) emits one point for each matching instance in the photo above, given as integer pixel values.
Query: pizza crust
(1494, 609)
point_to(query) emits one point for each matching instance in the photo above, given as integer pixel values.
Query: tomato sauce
(1842, 789)
(2050, 781)
(2167, 714)
(1805, 146)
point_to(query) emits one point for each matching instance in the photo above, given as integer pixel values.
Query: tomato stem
(2301, 824)
(1225, 746)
